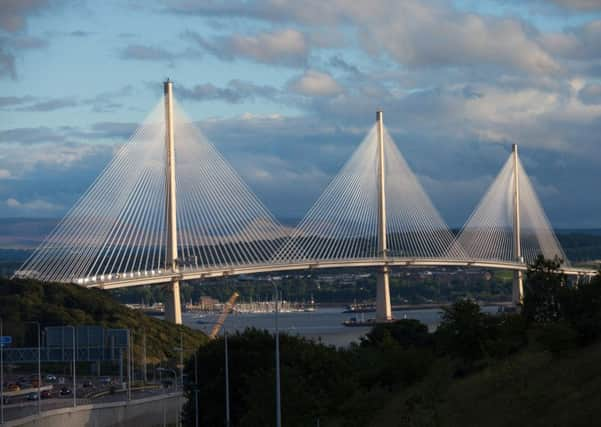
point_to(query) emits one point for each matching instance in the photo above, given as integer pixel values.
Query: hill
(531, 388)
(54, 304)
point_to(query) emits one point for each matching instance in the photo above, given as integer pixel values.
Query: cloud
(80, 33)
(315, 83)
(145, 53)
(236, 91)
(10, 46)
(10, 101)
(50, 105)
(14, 13)
(580, 5)
(285, 47)
(413, 32)
(31, 135)
(338, 62)
(590, 94)
(582, 43)
(106, 101)
(37, 205)
(7, 64)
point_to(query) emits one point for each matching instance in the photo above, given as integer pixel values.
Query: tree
(543, 291)
(463, 330)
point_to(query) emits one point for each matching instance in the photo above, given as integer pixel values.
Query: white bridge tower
(173, 309)
(383, 308)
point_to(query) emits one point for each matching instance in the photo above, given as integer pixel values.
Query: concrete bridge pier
(173, 306)
(383, 307)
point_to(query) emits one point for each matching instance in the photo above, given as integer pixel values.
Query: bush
(406, 333)
(557, 337)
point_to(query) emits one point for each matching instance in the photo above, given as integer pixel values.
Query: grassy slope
(531, 388)
(65, 304)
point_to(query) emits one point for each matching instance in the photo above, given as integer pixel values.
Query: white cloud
(417, 33)
(315, 83)
(37, 205)
(286, 47)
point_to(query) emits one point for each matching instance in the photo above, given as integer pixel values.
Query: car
(13, 387)
(32, 396)
(87, 384)
(65, 391)
(46, 394)
(51, 378)
(105, 380)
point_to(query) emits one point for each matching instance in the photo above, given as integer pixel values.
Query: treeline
(415, 289)
(401, 374)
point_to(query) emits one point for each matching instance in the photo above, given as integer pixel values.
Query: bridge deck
(142, 278)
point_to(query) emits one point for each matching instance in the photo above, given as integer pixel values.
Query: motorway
(20, 407)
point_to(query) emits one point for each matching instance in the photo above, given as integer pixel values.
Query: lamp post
(39, 366)
(128, 365)
(1, 373)
(278, 409)
(174, 377)
(74, 349)
(227, 382)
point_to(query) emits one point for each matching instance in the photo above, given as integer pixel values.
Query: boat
(360, 308)
(354, 322)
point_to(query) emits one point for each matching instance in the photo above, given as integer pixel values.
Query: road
(23, 407)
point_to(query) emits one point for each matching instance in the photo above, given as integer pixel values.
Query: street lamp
(278, 408)
(129, 365)
(74, 352)
(174, 379)
(1, 373)
(39, 366)
(227, 382)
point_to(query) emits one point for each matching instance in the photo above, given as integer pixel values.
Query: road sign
(5, 340)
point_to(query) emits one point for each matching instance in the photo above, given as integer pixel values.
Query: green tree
(543, 291)
(463, 331)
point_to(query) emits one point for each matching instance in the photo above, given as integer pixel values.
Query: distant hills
(24, 233)
(19, 235)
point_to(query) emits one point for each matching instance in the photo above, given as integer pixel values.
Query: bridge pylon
(383, 308)
(173, 309)
(517, 292)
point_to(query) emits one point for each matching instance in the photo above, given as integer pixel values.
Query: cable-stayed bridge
(169, 207)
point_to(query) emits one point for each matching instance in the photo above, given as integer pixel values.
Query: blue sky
(286, 91)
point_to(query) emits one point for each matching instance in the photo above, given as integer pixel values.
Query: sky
(286, 90)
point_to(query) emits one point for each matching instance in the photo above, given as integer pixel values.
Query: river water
(324, 324)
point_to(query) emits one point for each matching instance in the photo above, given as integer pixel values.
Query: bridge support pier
(383, 308)
(517, 290)
(173, 305)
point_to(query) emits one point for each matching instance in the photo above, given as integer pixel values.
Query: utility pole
(173, 310)
(517, 292)
(383, 308)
